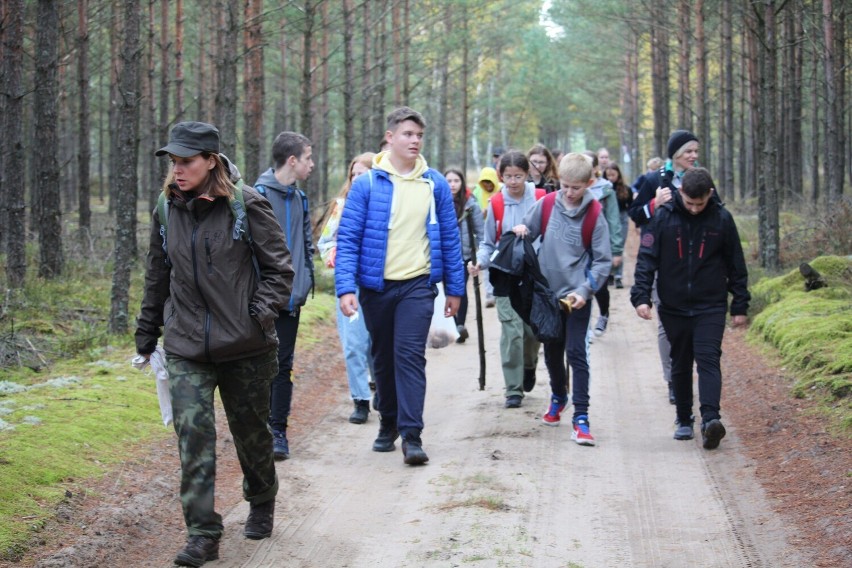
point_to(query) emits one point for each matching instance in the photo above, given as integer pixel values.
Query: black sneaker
(259, 521)
(463, 334)
(362, 410)
(712, 433)
(684, 431)
(514, 401)
(529, 379)
(280, 446)
(198, 550)
(619, 284)
(412, 452)
(386, 438)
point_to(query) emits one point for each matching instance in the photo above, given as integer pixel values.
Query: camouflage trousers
(244, 389)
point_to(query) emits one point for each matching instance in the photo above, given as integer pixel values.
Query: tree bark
(179, 94)
(444, 94)
(660, 75)
(726, 137)
(348, 81)
(84, 152)
(684, 42)
(165, 118)
(833, 143)
(767, 198)
(127, 147)
(254, 89)
(13, 146)
(46, 189)
(226, 95)
(702, 108)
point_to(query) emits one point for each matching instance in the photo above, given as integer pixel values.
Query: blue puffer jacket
(362, 238)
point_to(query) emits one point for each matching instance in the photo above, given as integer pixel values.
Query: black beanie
(677, 140)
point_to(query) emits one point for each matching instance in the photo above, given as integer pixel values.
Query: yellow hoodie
(408, 244)
(482, 196)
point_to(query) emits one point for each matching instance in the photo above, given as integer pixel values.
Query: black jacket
(698, 258)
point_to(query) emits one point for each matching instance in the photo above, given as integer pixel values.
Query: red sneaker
(581, 433)
(557, 405)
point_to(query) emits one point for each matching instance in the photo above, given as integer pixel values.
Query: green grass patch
(812, 332)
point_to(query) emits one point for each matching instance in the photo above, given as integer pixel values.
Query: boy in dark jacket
(693, 245)
(291, 156)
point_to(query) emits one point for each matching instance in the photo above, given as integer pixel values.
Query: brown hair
(365, 159)
(550, 169)
(217, 184)
(460, 198)
(622, 192)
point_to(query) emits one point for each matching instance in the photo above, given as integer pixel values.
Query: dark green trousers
(244, 389)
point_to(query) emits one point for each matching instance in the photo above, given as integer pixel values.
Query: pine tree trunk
(367, 140)
(444, 94)
(767, 198)
(397, 50)
(349, 81)
(127, 147)
(51, 257)
(165, 67)
(179, 98)
(281, 119)
(12, 121)
(322, 138)
(660, 75)
(702, 108)
(465, 81)
(84, 152)
(684, 42)
(226, 94)
(815, 123)
(254, 89)
(726, 137)
(833, 144)
(151, 187)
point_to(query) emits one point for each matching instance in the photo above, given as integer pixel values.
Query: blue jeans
(573, 345)
(356, 352)
(398, 320)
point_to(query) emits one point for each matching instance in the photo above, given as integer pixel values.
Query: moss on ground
(812, 332)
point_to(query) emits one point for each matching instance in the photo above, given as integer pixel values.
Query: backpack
(589, 218)
(498, 204)
(238, 209)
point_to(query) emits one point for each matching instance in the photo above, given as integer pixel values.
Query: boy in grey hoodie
(291, 155)
(574, 273)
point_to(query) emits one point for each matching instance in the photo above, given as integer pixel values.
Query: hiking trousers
(573, 346)
(518, 346)
(244, 389)
(398, 319)
(699, 339)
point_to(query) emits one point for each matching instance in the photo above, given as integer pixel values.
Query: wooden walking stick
(478, 299)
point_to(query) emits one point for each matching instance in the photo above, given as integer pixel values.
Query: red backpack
(589, 219)
(497, 205)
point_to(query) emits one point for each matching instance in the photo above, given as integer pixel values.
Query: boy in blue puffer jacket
(397, 239)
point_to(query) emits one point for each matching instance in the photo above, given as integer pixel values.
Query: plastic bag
(442, 331)
(545, 314)
(157, 360)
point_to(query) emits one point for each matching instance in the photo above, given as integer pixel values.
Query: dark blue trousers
(398, 320)
(574, 346)
(281, 393)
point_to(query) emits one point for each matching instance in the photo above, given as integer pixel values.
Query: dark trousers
(281, 396)
(573, 346)
(696, 339)
(244, 388)
(398, 320)
(461, 315)
(602, 296)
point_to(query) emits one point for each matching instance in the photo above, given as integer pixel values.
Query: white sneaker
(600, 328)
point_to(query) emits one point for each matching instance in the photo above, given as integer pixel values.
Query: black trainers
(386, 438)
(280, 446)
(683, 431)
(198, 550)
(463, 334)
(412, 452)
(529, 379)
(712, 433)
(362, 410)
(618, 283)
(259, 521)
(514, 401)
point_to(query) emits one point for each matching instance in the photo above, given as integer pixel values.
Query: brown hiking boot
(259, 521)
(198, 550)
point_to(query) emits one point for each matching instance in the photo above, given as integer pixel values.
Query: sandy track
(502, 489)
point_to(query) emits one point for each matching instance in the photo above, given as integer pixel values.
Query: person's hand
(577, 301)
(643, 311)
(616, 261)
(348, 304)
(473, 269)
(664, 195)
(738, 321)
(332, 255)
(520, 231)
(451, 306)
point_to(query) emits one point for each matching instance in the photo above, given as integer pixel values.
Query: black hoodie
(699, 259)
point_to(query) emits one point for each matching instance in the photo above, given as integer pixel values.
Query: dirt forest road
(503, 489)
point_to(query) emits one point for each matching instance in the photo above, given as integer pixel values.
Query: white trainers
(600, 328)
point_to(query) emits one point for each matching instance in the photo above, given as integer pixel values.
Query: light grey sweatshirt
(513, 214)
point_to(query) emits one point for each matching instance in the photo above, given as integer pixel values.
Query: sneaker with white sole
(553, 415)
(581, 433)
(600, 327)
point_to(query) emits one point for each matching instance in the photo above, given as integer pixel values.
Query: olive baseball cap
(190, 138)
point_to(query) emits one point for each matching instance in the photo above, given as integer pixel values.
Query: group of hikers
(229, 266)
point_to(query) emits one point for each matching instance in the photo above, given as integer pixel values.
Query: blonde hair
(575, 167)
(216, 184)
(366, 160)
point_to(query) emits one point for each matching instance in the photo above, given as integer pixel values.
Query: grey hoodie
(568, 266)
(513, 214)
(290, 206)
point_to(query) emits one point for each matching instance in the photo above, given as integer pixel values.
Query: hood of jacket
(601, 189)
(267, 179)
(381, 161)
(489, 174)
